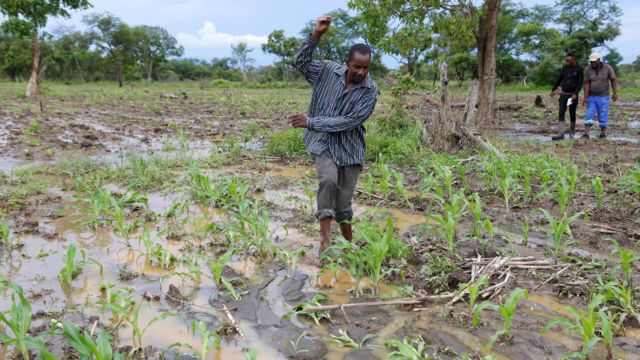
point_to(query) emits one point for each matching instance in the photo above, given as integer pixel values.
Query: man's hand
(614, 97)
(298, 121)
(554, 92)
(322, 25)
(574, 97)
(585, 102)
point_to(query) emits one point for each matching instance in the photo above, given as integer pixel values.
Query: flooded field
(171, 228)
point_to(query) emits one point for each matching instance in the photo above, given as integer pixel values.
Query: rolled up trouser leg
(602, 107)
(327, 173)
(347, 180)
(589, 117)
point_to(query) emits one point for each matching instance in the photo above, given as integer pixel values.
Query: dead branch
(416, 301)
(551, 278)
(233, 321)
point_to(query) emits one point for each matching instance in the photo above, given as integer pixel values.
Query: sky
(207, 28)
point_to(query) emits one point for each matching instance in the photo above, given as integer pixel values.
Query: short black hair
(360, 48)
(570, 54)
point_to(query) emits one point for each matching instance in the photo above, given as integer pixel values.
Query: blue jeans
(599, 104)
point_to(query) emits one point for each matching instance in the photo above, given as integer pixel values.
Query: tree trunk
(150, 71)
(32, 86)
(443, 128)
(80, 73)
(486, 43)
(119, 74)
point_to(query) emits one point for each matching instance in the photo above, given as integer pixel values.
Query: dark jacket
(570, 79)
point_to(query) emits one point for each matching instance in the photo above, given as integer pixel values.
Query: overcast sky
(207, 28)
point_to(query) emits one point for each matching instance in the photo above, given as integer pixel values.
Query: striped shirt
(336, 114)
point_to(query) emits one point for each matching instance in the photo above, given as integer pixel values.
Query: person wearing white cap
(596, 93)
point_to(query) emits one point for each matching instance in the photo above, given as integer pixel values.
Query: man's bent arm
(304, 60)
(345, 122)
(558, 81)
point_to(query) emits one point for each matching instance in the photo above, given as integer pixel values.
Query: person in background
(569, 84)
(596, 93)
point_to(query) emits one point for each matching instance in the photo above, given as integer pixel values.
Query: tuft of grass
(286, 143)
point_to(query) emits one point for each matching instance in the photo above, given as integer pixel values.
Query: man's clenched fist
(322, 25)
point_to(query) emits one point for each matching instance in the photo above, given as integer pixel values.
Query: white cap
(594, 56)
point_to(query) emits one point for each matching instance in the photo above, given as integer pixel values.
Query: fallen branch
(551, 278)
(233, 321)
(416, 301)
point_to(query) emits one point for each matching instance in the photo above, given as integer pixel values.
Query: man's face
(358, 67)
(594, 64)
(570, 60)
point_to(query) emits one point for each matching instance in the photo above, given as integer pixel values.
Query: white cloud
(210, 37)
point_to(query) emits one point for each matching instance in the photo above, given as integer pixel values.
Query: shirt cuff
(309, 122)
(311, 40)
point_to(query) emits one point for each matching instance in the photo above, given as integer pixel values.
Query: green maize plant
(131, 316)
(448, 221)
(628, 259)
(109, 294)
(5, 234)
(367, 259)
(630, 182)
(87, 348)
(290, 258)
(216, 268)
(72, 268)
(562, 195)
(209, 340)
(475, 206)
(525, 231)
(310, 195)
(252, 354)
(583, 323)
(557, 230)
(507, 185)
(525, 174)
(488, 227)
(399, 190)
(98, 200)
(474, 291)
(18, 320)
(343, 339)
(155, 253)
(621, 297)
(606, 330)
(598, 190)
(445, 175)
(414, 349)
(313, 302)
(507, 310)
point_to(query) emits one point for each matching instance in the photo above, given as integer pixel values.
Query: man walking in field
(570, 83)
(343, 97)
(596, 94)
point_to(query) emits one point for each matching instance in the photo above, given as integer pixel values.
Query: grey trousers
(336, 187)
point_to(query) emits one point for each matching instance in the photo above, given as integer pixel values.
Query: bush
(286, 143)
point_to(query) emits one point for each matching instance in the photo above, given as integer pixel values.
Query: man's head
(358, 62)
(594, 60)
(570, 59)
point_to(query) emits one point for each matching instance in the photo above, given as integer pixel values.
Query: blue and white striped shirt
(336, 114)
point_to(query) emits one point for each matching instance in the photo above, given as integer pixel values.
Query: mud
(108, 130)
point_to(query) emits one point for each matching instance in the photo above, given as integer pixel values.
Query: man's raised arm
(304, 57)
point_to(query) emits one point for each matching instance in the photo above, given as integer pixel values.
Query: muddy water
(39, 278)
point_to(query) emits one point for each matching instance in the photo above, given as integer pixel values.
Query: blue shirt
(336, 113)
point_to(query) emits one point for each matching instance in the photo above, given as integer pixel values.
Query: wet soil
(107, 128)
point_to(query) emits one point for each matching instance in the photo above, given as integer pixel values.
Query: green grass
(286, 143)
